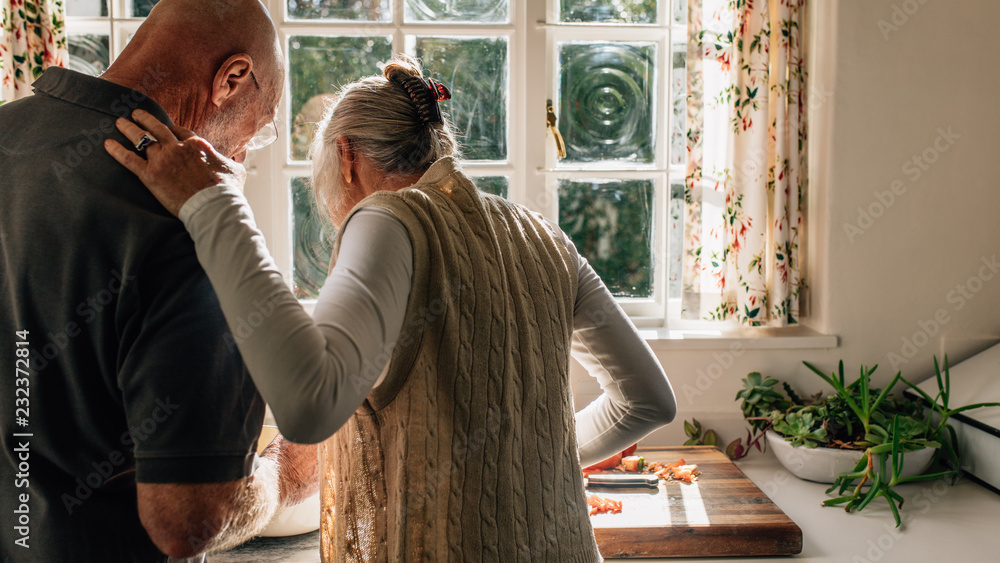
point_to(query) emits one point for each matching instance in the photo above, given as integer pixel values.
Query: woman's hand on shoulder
(178, 163)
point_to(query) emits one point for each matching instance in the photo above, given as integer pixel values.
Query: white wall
(880, 96)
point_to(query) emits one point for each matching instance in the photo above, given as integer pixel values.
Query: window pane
(496, 185)
(608, 11)
(676, 240)
(611, 224)
(86, 8)
(312, 242)
(606, 101)
(465, 11)
(680, 12)
(321, 65)
(353, 10)
(89, 54)
(678, 104)
(475, 70)
(141, 8)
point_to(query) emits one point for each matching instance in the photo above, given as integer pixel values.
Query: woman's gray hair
(380, 121)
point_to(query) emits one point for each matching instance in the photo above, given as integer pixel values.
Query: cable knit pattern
(467, 450)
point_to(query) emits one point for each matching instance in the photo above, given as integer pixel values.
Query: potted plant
(865, 441)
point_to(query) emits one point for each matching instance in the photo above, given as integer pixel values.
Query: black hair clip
(425, 95)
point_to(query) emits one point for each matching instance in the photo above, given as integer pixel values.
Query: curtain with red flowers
(32, 38)
(746, 175)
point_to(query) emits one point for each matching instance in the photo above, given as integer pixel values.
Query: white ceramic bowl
(299, 519)
(823, 465)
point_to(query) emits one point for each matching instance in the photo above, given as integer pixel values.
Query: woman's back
(467, 449)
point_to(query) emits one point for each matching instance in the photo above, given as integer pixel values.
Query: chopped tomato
(687, 473)
(654, 467)
(598, 505)
(629, 450)
(677, 463)
(609, 463)
(633, 463)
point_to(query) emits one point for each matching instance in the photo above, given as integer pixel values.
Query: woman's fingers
(131, 131)
(156, 128)
(126, 158)
(180, 165)
(181, 133)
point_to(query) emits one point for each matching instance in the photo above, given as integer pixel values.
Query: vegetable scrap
(600, 505)
(678, 471)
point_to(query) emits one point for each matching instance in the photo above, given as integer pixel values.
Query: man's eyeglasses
(269, 133)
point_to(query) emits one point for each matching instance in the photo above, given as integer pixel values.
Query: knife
(621, 480)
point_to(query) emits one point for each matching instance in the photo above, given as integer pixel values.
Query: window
(614, 71)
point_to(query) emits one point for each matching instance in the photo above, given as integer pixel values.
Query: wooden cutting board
(721, 514)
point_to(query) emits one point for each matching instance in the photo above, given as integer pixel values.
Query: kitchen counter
(942, 524)
(294, 549)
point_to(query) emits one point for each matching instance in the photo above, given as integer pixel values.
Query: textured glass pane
(676, 240)
(472, 11)
(312, 242)
(319, 66)
(610, 222)
(141, 8)
(89, 54)
(606, 101)
(496, 185)
(86, 8)
(475, 69)
(680, 12)
(678, 104)
(353, 10)
(608, 11)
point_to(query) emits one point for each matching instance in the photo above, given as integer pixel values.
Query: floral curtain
(32, 38)
(746, 175)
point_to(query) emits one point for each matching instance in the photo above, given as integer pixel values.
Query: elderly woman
(438, 355)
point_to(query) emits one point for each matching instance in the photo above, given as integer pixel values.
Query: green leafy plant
(858, 416)
(799, 428)
(760, 398)
(695, 436)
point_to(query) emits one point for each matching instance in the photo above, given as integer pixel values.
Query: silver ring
(144, 142)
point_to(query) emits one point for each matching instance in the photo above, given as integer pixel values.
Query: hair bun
(425, 94)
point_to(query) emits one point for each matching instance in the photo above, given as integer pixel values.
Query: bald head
(203, 52)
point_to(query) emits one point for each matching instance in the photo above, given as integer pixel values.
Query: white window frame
(531, 167)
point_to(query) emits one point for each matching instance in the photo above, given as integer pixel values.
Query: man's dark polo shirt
(131, 377)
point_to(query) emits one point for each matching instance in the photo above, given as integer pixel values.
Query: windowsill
(787, 338)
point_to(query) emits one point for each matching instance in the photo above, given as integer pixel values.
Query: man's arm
(184, 520)
(196, 485)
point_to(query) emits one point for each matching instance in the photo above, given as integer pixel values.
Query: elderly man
(129, 423)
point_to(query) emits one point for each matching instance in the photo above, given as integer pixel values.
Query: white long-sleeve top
(314, 371)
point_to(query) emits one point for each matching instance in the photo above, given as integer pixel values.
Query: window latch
(550, 120)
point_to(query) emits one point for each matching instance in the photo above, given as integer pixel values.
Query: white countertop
(942, 524)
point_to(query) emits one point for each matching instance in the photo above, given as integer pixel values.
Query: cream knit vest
(467, 451)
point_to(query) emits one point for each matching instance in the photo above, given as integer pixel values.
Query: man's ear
(346, 160)
(231, 78)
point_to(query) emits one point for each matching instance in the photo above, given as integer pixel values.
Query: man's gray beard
(221, 130)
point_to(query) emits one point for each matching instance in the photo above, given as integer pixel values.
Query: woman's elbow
(301, 424)
(664, 408)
